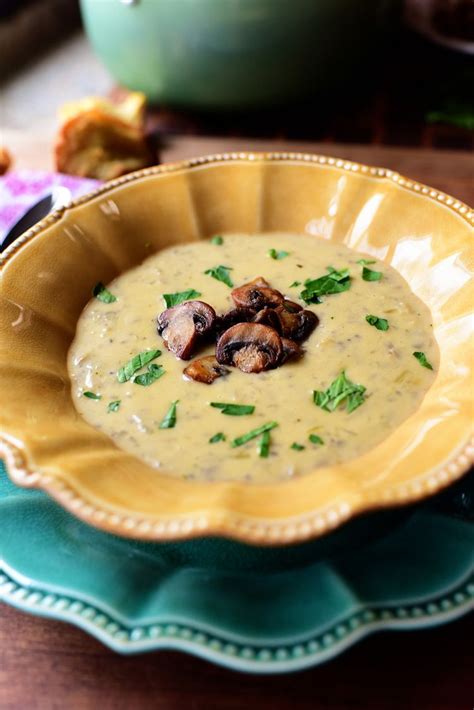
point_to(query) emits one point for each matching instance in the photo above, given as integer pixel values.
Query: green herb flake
(333, 282)
(421, 357)
(221, 273)
(341, 391)
(169, 420)
(315, 439)
(274, 254)
(217, 240)
(295, 284)
(126, 372)
(264, 445)
(174, 299)
(240, 440)
(366, 262)
(234, 410)
(297, 447)
(370, 275)
(454, 111)
(379, 323)
(147, 378)
(114, 406)
(103, 294)
(337, 274)
(220, 436)
(91, 395)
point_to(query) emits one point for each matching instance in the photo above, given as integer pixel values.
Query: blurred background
(257, 73)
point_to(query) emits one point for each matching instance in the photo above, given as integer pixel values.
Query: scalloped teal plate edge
(214, 647)
(438, 592)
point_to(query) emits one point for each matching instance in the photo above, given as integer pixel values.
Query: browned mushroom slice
(257, 294)
(296, 325)
(267, 316)
(183, 327)
(205, 369)
(291, 350)
(291, 306)
(251, 347)
(235, 315)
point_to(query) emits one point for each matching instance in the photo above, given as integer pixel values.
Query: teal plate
(137, 597)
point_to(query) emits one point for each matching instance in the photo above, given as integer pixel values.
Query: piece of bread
(100, 139)
(5, 160)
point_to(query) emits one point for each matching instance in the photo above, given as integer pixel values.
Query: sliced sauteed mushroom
(289, 320)
(290, 350)
(236, 315)
(258, 334)
(251, 347)
(291, 306)
(183, 327)
(257, 294)
(205, 369)
(296, 325)
(267, 316)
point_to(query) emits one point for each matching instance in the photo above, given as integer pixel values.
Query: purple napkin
(19, 190)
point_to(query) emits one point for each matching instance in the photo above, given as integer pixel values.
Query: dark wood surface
(46, 664)
(451, 171)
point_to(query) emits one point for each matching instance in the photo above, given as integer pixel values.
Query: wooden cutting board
(447, 170)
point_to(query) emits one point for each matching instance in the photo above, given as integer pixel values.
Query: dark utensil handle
(34, 214)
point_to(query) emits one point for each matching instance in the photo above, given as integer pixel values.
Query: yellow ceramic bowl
(46, 281)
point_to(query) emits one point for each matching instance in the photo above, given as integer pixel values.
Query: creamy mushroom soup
(314, 354)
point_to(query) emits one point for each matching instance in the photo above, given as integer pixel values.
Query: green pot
(233, 53)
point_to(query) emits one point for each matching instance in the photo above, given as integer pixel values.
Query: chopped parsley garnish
(370, 275)
(264, 445)
(147, 378)
(174, 299)
(217, 240)
(341, 391)
(366, 262)
(297, 447)
(274, 254)
(220, 436)
(315, 439)
(294, 284)
(421, 357)
(92, 395)
(333, 282)
(240, 440)
(103, 294)
(114, 406)
(221, 273)
(169, 419)
(379, 323)
(235, 410)
(454, 111)
(126, 372)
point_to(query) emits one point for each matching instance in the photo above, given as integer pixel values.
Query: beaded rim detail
(460, 208)
(226, 523)
(257, 531)
(213, 645)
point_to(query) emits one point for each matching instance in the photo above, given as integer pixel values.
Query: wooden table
(449, 170)
(46, 664)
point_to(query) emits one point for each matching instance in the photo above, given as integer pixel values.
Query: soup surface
(378, 355)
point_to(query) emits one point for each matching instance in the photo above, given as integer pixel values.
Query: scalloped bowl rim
(226, 522)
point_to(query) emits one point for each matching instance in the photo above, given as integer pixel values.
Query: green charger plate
(137, 597)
